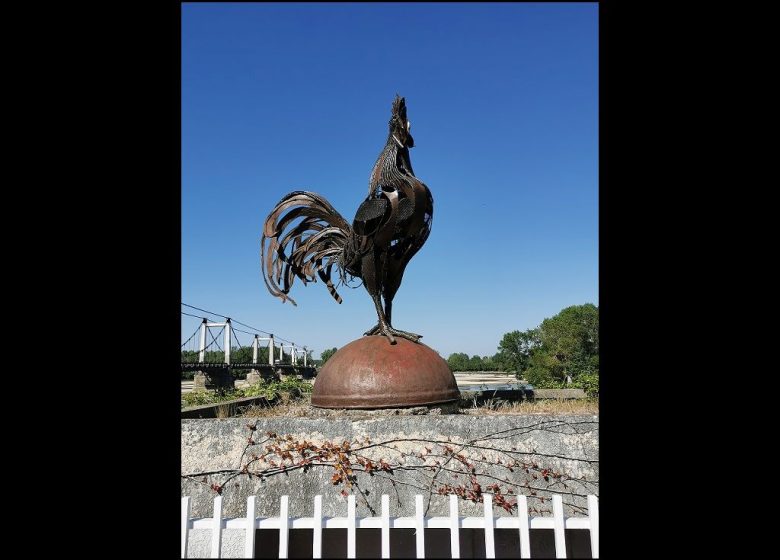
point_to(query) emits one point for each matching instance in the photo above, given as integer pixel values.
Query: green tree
(542, 370)
(572, 338)
(562, 352)
(241, 355)
(568, 351)
(497, 363)
(475, 363)
(458, 361)
(326, 354)
(515, 349)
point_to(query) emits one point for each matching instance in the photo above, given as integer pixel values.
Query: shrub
(589, 382)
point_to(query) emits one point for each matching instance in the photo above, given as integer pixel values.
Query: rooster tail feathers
(304, 237)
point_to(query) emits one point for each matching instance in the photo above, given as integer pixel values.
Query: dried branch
(466, 465)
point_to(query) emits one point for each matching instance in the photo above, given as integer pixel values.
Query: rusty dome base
(372, 373)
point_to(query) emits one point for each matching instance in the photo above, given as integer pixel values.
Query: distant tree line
(460, 361)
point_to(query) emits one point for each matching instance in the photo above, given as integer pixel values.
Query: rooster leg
(383, 327)
(403, 334)
(372, 262)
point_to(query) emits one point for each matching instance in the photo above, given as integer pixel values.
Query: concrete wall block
(212, 444)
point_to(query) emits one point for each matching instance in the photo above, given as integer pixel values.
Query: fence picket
(185, 525)
(351, 537)
(593, 518)
(249, 539)
(284, 526)
(525, 536)
(490, 546)
(558, 526)
(419, 524)
(216, 528)
(385, 526)
(454, 527)
(317, 542)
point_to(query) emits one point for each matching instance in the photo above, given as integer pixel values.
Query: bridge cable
(250, 327)
(245, 332)
(237, 341)
(262, 331)
(191, 315)
(204, 311)
(216, 339)
(190, 338)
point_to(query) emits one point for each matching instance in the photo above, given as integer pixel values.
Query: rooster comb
(399, 106)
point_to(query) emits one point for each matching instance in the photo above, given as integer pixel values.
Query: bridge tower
(221, 380)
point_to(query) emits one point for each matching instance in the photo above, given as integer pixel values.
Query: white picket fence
(522, 522)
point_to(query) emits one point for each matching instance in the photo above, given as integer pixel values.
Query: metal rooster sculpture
(390, 226)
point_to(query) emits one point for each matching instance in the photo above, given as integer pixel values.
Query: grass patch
(546, 406)
(225, 410)
(301, 408)
(298, 408)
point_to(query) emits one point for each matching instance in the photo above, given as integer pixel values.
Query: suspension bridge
(218, 345)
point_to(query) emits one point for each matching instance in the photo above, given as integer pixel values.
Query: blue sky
(503, 100)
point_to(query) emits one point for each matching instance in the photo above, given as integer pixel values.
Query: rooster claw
(391, 333)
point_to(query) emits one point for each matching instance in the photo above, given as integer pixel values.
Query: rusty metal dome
(372, 373)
